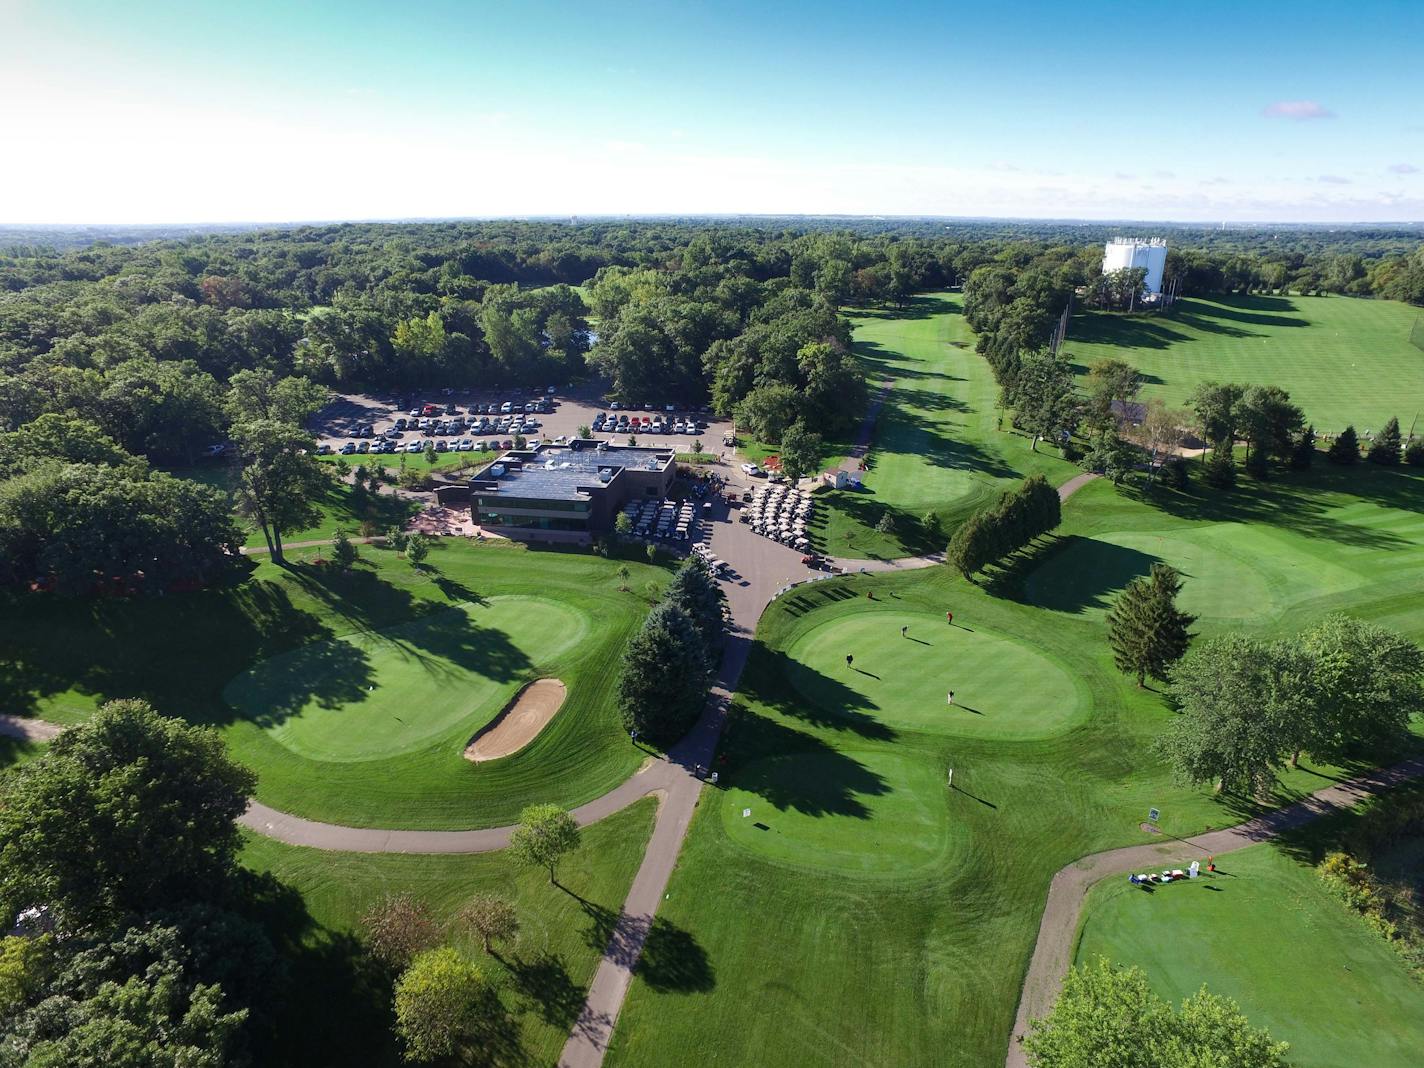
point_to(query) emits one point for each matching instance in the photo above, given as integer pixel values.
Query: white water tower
(1149, 254)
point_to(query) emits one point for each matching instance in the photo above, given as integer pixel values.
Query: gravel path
(1058, 930)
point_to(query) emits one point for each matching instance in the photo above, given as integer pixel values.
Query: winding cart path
(1058, 930)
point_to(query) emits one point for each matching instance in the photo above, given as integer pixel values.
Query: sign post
(1153, 815)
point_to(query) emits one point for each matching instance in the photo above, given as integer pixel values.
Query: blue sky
(169, 112)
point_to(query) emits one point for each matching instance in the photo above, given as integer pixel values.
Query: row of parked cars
(386, 447)
(479, 424)
(623, 423)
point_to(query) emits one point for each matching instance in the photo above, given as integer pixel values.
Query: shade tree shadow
(665, 956)
(791, 769)
(1072, 573)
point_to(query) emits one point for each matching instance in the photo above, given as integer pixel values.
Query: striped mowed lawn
(1343, 359)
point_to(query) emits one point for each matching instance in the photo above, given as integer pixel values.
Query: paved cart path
(1058, 929)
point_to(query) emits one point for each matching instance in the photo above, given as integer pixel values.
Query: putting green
(860, 812)
(1230, 571)
(378, 693)
(1002, 688)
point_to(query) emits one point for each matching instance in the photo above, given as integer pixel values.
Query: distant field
(1267, 935)
(1344, 360)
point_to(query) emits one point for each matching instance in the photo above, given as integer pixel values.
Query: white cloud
(1333, 179)
(1402, 168)
(1297, 110)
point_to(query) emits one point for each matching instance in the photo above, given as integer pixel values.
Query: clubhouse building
(566, 492)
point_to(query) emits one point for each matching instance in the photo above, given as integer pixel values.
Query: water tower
(1147, 253)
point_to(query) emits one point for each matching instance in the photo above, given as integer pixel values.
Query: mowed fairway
(353, 695)
(1284, 551)
(448, 671)
(936, 446)
(1269, 936)
(862, 912)
(1343, 359)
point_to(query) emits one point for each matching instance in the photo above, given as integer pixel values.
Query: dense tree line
(668, 665)
(1020, 515)
(119, 846)
(79, 513)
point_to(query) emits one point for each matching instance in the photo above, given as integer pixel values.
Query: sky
(149, 111)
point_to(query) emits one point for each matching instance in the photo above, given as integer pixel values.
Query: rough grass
(1343, 359)
(338, 1009)
(1265, 933)
(876, 917)
(384, 625)
(936, 447)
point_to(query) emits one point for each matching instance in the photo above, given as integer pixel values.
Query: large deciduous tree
(282, 482)
(800, 452)
(1243, 705)
(399, 927)
(1107, 1017)
(443, 1005)
(124, 814)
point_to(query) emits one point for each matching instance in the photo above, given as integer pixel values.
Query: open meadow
(1343, 359)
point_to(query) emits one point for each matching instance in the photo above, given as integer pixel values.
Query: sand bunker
(519, 723)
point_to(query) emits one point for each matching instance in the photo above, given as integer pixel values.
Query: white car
(750, 469)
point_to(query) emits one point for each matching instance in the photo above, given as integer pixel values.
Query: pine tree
(663, 685)
(1146, 630)
(1346, 448)
(1385, 449)
(1303, 453)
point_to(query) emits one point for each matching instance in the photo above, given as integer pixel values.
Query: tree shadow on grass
(1294, 502)
(176, 652)
(665, 956)
(1071, 574)
(820, 700)
(549, 989)
(795, 770)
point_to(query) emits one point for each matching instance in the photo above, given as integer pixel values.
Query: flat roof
(567, 473)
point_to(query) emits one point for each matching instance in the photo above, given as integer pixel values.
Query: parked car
(415, 446)
(365, 446)
(751, 469)
(348, 448)
(615, 405)
(323, 450)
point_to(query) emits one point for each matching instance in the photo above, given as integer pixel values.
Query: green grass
(440, 677)
(1003, 688)
(863, 914)
(1342, 359)
(340, 508)
(937, 447)
(339, 1013)
(284, 663)
(1269, 936)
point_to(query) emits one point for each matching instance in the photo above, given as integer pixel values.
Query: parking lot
(466, 420)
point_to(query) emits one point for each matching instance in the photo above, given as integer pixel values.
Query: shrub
(1220, 471)
(1414, 453)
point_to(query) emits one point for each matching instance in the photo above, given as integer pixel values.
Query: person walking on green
(849, 659)
(904, 632)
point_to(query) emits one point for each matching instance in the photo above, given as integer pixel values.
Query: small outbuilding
(837, 479)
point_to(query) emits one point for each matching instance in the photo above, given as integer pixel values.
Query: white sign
(746, 812)
(1152, 815)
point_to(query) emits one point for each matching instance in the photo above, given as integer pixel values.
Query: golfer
(849, 659)
(904, 632)
(951, 697)
(949, 618)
